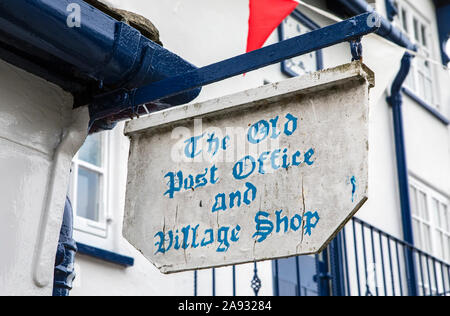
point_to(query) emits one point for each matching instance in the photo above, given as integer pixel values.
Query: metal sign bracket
(107, 108)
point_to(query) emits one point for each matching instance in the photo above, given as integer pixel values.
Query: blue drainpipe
(391, 10)
(396, 101)
(443, 19)
(393, 34)
(65, 255)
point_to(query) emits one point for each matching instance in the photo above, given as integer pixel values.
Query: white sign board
(267, 173)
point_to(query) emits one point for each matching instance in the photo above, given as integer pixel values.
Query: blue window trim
(426, 106)
(105, 255)
(303, 19)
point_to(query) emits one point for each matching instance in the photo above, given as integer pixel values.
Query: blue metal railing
(376, 264)
(362, 261)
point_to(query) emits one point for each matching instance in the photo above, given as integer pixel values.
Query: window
(295, 25)
(440, 210)
(88, 186)
(421, 77)
(296, 276)
(431, 220)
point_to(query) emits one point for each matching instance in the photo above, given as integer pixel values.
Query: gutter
(101, 53)
(387, 30)
(390, 32)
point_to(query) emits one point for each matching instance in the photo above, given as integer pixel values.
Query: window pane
(91, 151)
(405, 21)
(447, 249)
(287, 277)
(435, 211)
(427, 238)
(445, 244)
(410, 81)
(416, 29)
(88, 199)
(417, 234)
(441, 245)
(301, 64)
(413, 193)
(424, 36)
(423, 209)
(445, 218)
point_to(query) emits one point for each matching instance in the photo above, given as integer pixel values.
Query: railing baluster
(400, 279)
(277, 280)
(256, 281)
(429, 275)
(374, 261)
(444, 287)
(299, 281)
(347, 276)
(368, 293)
(448, 275)
(195, 283)
(391, 270)
(424, 292)
(382, 264)
(355, 244)
(435, 276)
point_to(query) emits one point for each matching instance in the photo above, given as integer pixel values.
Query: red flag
(265, 17)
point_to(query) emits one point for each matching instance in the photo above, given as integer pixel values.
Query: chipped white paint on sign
(267, 173)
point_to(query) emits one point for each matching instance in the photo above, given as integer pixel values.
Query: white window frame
(100, 228)
(419, 65)
(436, 228)
(443, 233)
(422, 241)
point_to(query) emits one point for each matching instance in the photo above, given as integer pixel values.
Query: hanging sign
(267, 173)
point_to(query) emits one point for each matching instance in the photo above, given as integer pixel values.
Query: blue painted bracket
(111, 104)
(356, 49)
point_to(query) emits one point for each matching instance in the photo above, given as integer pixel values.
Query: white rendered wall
(34, 118)
(427, 139)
